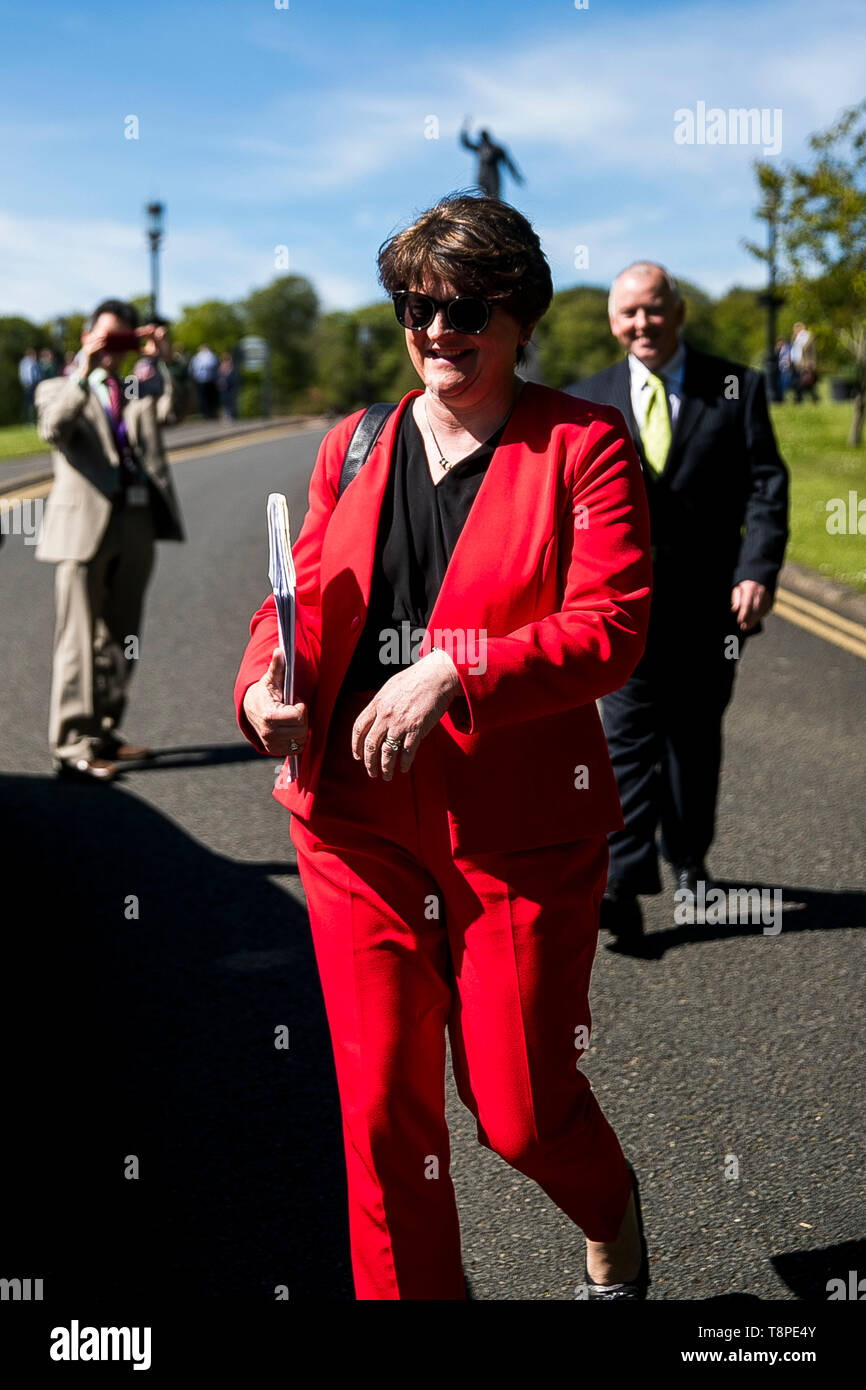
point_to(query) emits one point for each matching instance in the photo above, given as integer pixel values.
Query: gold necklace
(443, 462)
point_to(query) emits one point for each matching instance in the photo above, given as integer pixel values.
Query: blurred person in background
(30, 377)
(804, 364)
(179, 367)
(228, 382)
(47, 365)
(203, 369)
(112, 498)
(146, 371)
(783, 365)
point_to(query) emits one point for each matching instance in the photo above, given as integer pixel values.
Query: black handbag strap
(367, 431)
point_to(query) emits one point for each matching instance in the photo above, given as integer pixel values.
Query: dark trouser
(664, 732)
(804, 386)
(208, 399)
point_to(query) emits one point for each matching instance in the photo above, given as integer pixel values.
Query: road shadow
(808, 1272)
(196, 755)
(154, 1036)
(803, 909)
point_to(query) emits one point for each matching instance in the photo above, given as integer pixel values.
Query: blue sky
(305, 127)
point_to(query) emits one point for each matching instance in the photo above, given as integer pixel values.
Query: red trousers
(497, 950)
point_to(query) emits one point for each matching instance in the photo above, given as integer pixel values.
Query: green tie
(656, 432)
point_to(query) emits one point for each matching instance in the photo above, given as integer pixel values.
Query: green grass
(20, 439)
(812, 443)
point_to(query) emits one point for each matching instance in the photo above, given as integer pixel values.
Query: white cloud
(571, 104)
(329, 166)
(51, 265)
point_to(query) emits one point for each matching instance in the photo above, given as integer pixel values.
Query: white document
(281, 572)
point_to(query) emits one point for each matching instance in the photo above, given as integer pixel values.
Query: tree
(574, 338)
(337, 384)
(360, 358)
(284, 313)
(218, 324)
(823, 238)
(386, 369)
(16, 336)
(699, 327)
(141, 302)
(739, 327)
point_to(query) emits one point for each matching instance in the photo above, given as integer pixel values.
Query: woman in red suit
(479, 584)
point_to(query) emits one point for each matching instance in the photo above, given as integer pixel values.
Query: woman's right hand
(275, 724)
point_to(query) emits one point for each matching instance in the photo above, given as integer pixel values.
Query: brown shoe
(129, 752)
(87, 769)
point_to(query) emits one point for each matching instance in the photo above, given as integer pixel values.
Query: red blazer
(551, 579)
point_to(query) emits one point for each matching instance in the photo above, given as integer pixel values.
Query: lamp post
(155, 213)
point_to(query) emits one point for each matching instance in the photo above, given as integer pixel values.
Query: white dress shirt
(671, 374)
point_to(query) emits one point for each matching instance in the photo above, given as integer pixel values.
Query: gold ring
(393, 743)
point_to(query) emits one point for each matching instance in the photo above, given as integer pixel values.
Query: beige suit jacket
(87, 471)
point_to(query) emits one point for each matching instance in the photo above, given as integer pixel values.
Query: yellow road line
(221, 446)
(802, 612)
(224, 446)
(827, 615)
(31, 490)
(820, 629)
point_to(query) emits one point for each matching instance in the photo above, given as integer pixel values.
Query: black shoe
(621, 915)
(688, 877)
(637, 1289)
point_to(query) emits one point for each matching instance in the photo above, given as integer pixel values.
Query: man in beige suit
(112, 498)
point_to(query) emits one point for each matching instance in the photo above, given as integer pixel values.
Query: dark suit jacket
(719, 508)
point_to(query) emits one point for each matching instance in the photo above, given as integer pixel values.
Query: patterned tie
(129, 468)
(656, 432)
(115, 397)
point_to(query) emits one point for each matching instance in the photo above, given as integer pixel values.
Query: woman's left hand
(406, 708)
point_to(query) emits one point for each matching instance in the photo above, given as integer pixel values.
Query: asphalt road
(153, 1036)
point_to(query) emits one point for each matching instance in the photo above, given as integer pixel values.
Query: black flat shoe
(621, 915)
(637, 1289)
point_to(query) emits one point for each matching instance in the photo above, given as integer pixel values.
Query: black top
(419, 525)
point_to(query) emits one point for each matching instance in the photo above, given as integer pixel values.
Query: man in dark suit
(718, 499)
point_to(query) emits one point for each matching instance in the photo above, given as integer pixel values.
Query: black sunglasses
(465, 314)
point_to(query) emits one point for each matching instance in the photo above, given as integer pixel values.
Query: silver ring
(393, 743)
(293, 745)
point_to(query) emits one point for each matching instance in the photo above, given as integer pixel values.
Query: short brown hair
(480, 246)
